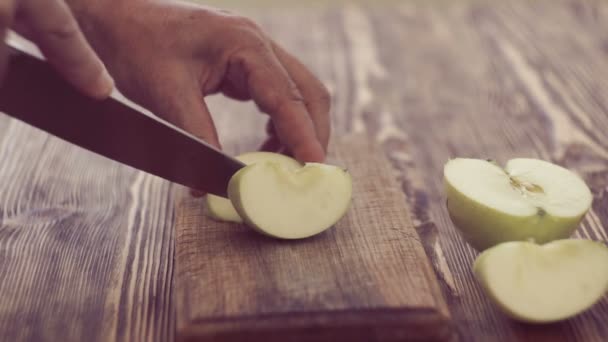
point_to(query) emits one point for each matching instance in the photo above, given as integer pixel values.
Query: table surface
(87, 245)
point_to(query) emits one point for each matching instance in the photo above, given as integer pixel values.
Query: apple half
(529, 199)
(544, 283)
(290, 204)
(220, 208)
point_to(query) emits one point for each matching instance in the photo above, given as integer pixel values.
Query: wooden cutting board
(366, 279)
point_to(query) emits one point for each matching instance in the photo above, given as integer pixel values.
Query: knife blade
(33, 92)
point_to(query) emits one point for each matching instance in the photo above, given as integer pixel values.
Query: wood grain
(86, 245)
(492, 95)
(366, 279)
(435, 80)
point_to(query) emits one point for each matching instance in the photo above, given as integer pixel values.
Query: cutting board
(365, 279)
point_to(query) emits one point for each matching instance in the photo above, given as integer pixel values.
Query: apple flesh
(220, 208)
(547, 283)
(290, 204)
(529, 199)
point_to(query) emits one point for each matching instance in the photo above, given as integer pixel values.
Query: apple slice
(547, 283)
(530, 199)
(220, 208)
(287, 203)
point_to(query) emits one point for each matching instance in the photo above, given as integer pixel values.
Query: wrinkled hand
(50, 24)
(168, 55)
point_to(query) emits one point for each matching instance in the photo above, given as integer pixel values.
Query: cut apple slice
(546, 283)
(530, 199)
(220, 208)
(290, 204)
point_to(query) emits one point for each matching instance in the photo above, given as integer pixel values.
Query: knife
(33, 92)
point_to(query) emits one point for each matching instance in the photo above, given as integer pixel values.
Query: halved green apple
(529, 199)
(287, 203)
(220, 208)
(544, 283)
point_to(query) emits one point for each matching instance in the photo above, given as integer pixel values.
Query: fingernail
(107, 81)
(105, 85)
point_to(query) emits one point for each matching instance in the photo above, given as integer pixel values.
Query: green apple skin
(236, 195)
(483, 227)
(221, 209)
(544, 283)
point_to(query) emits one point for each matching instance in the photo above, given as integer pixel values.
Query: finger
(180, 102)
(7, 10)
(230, 90)
(316, 96)
(53, 28)
(272, 142)
(277, 94)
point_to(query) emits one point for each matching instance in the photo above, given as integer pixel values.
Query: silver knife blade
(33, 92)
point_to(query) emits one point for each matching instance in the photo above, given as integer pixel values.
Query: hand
(50, 24)
(168, 55)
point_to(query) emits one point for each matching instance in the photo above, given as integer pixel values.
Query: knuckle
(270, 102)
(293, 93)
(239, 23)
(250, 45)
(245, 29)
(281, 102)
(245, 40)
(247, 23)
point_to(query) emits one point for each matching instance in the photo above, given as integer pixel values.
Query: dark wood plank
(366, 279)
(85, 244)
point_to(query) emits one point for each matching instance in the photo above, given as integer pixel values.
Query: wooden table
(86, 245)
